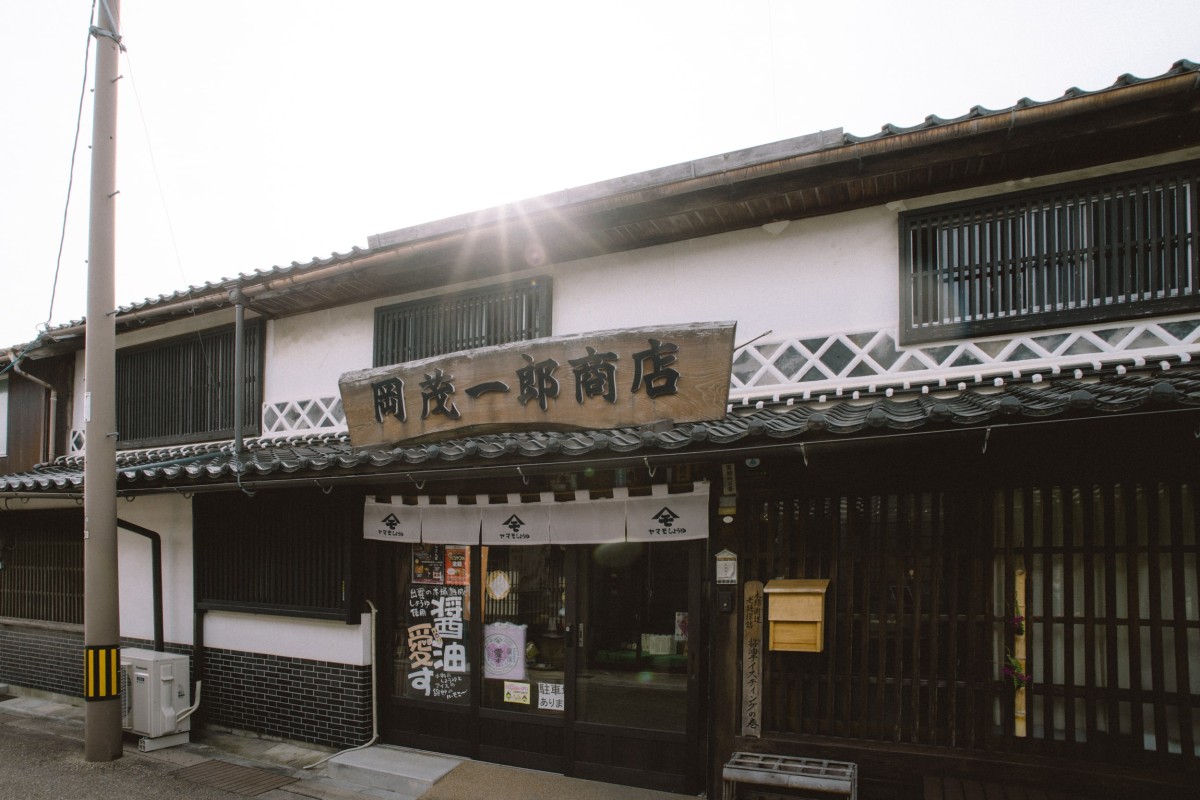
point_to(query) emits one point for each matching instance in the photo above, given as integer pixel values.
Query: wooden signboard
(594, 381)
(752, 658)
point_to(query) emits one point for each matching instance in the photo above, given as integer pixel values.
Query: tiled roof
(285, 280)
(312, 457)
(1181, 67)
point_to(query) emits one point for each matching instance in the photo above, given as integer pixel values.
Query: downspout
(239, 370)
(198, 649)
(50, 442)
(155, 578)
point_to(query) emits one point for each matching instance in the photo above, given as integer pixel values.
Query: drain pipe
(374, 700)
(239, 369)
(155, 577)
(198, 649)
(48, 446)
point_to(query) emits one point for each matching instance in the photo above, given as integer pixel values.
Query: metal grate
(234, 778)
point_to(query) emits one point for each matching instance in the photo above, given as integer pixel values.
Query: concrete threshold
(394, 769)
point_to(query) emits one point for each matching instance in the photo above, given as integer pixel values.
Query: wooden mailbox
(796, 610)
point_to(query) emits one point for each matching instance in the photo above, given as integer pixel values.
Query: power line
(71, 177)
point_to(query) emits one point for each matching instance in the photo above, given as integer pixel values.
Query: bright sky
(254, 133)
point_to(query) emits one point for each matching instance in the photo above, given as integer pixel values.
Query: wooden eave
(824, 173)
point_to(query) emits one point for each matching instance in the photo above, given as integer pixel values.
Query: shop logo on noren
(514, 523)
(391, 521)
(666, 517)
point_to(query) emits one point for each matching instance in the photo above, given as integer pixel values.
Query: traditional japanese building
(880, 449)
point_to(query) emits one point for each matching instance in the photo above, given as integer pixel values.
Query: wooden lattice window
(462, 321)
(42, 573)
(921, 618)
(181, 390)
(1118, 247)
(284, 552)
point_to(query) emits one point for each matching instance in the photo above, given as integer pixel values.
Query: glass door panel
(431, 646)
(633, 636)
(524, 630)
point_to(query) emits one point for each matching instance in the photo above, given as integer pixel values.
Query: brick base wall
(42, 656)
(292, 698)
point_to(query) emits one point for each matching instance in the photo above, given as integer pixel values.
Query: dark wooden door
(579, 660)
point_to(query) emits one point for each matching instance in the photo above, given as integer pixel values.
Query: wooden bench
(791, 772)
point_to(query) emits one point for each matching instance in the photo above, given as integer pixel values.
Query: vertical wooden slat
(1150, 238)
(1034, 711)
(1091, 536)
(1112, 625)
(1154, 589)
(1179, 603)
(915, 577)
(936, 676)
(1048, 617)
(1004, 548)
(1069, 538)
(859, 539)
(898, 583)
(835, 634)
(1131, 494)
(954, 614)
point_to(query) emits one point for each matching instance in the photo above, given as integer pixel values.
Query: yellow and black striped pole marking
(100, 667)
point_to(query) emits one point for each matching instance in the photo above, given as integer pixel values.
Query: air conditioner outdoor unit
(154, 695)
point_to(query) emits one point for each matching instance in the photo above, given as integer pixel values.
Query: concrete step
(393, 769)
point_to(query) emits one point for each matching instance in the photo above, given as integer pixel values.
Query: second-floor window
(181, 390)
(1121, 246)
(462, 321)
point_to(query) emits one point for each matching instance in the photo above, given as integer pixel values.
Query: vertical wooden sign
(752, 655)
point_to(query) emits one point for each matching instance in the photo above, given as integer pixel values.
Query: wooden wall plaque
(593, 381)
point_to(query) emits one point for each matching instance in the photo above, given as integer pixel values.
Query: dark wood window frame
(42, 577)
(417, 329)
(287, 552)
(1116, 247)
(180, 390)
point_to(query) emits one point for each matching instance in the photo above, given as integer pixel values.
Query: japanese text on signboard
(436, 642)
(594, 376)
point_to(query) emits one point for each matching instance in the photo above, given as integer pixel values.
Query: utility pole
(101, 612)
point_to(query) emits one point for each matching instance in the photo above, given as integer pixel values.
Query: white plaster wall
(835, 273)
(760, 280)
(317, 640)
(306, 354)
(170, 516)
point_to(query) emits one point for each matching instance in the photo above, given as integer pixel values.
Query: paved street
(41, 758)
